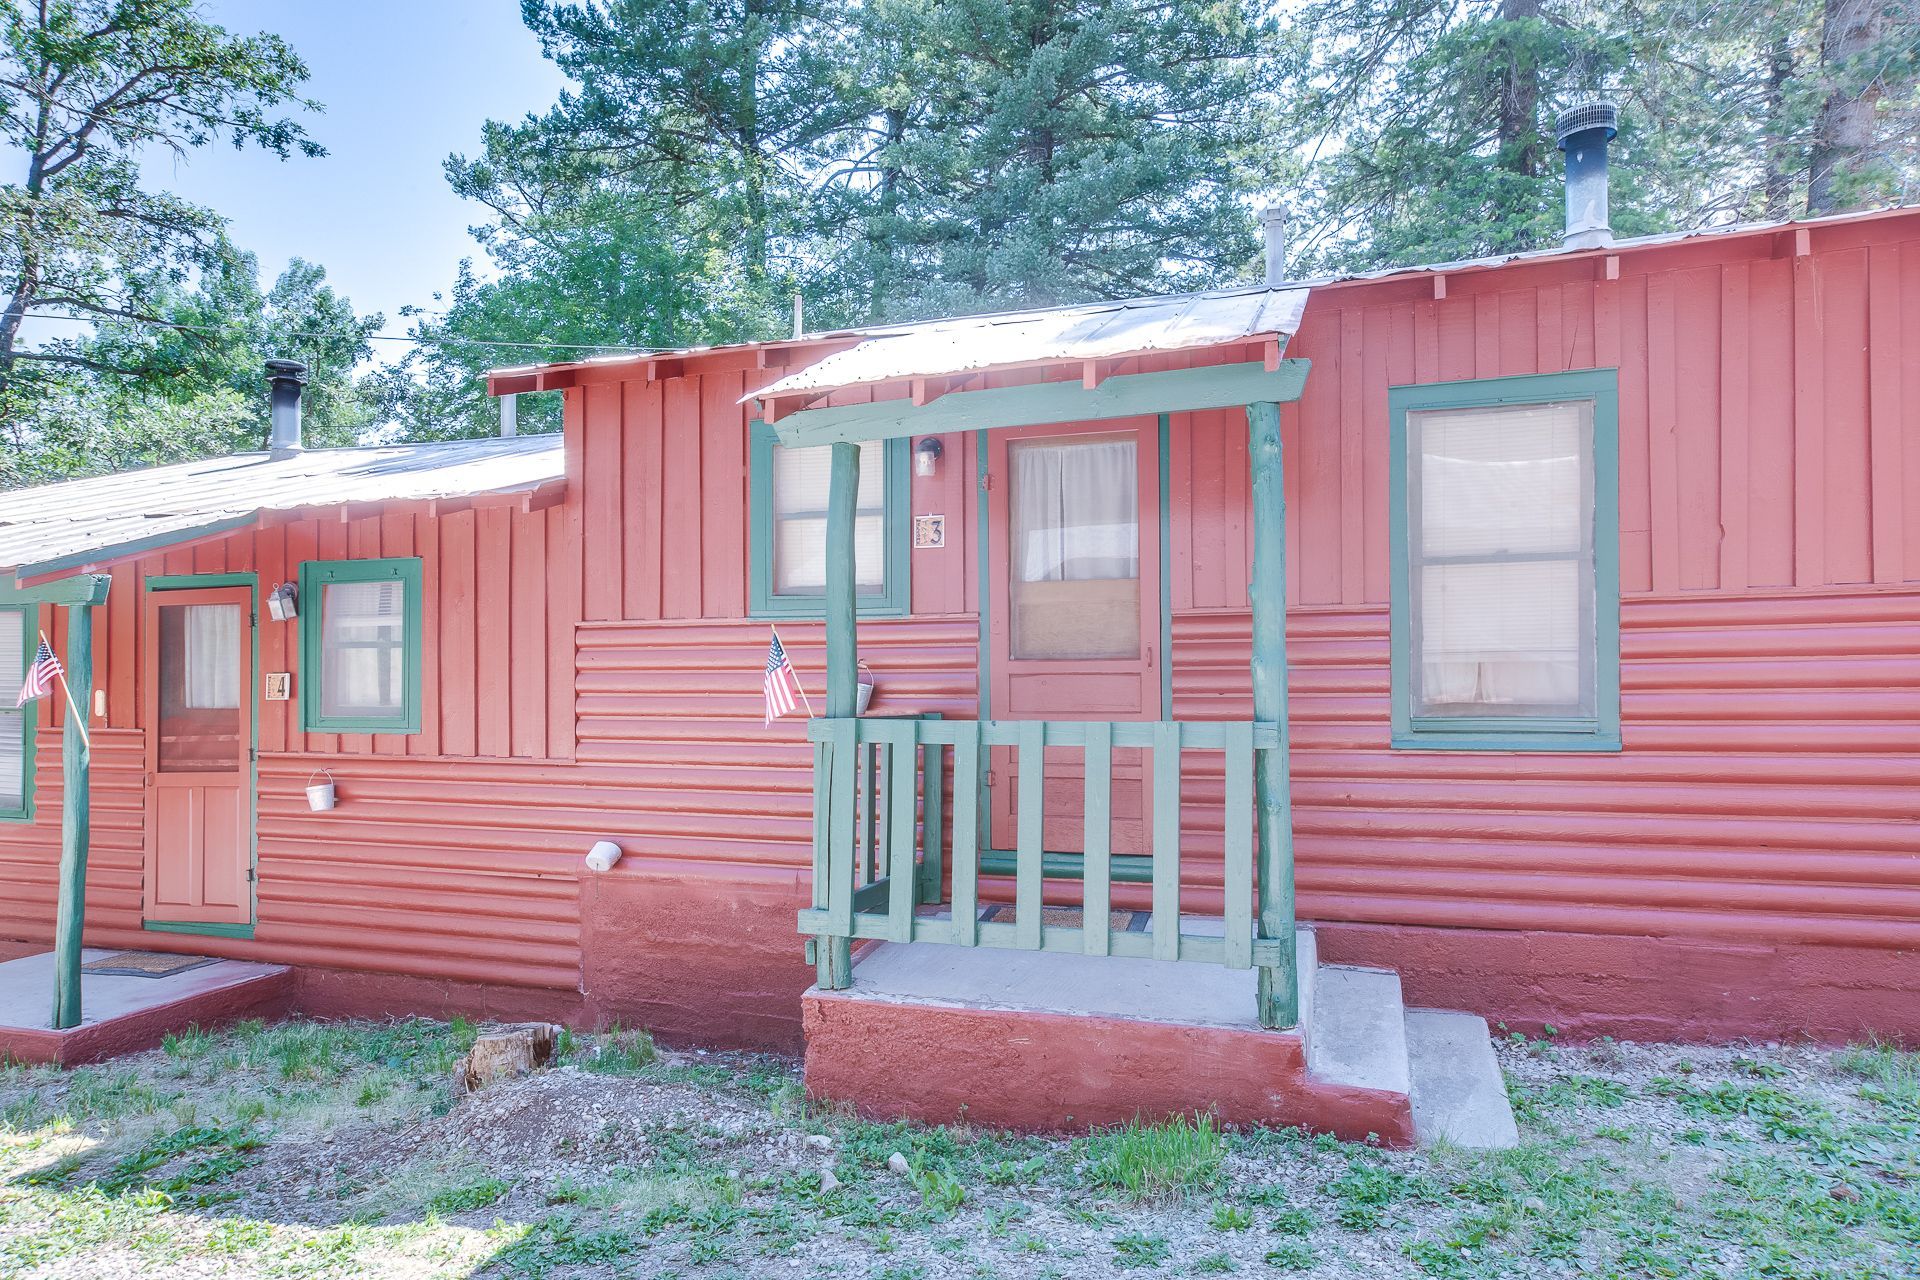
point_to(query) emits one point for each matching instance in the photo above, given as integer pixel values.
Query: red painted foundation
(1642, 988)
(1041, 1072)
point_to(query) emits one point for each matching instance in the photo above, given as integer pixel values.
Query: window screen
(800, 482)
(360, 645)
(14, 656)
(1501, 561)
(1075, 539)
(363, 647)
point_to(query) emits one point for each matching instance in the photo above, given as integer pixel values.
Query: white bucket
(320, 795)
(863, 691)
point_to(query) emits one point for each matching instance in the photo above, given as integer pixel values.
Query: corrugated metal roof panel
(1095, 331)
(52, 523)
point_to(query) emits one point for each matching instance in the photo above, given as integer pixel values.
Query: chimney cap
(291, 370)
(1599, 114)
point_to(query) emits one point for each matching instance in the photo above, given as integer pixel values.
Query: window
(360, 646)
(1505, 564)
(1075, 580)
(18, 641)
(788, 502)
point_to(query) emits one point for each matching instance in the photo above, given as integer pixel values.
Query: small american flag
(782, 686)
(39, 679)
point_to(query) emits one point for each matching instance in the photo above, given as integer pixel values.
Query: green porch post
(75, 820)
(1267, 594)
(835, 955)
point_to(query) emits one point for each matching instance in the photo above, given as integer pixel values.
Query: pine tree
(1036, 151)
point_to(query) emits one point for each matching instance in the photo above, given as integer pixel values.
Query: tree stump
(505, 1053)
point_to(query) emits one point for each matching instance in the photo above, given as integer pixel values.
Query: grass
(233, 1152)
(1151, 1161)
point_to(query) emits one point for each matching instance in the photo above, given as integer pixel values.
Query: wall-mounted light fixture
(926, 456)
(283, 602)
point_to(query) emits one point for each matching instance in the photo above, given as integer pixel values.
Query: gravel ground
(336, 1150)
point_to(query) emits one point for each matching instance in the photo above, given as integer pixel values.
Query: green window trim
(317, 574)
(29, 714)
(897, 520)
(1601, 731)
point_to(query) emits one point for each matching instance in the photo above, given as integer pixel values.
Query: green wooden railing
(880, 849)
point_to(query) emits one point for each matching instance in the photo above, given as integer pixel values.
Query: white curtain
(800, 483)
(1076, 510)
(13, 659)
(1503, 597)
(212, 639)
(363, 647)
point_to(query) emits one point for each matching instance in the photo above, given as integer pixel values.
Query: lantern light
(283, 603)
(926, 456)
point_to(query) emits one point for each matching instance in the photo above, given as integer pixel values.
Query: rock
(1841, 1191)
(820, 1142)
(505, 1053)
(828, 1183)
(898, 1163)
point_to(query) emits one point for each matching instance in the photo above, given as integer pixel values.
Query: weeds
(1152, 1161)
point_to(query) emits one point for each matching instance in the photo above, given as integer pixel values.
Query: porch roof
(1093, 331)
(56, 527)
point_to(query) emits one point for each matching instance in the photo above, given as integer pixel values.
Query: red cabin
(1598, 579)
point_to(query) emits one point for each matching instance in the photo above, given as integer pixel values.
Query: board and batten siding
(1769, 415)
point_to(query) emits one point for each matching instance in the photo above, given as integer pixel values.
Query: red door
(199, 766)
(1074, 571)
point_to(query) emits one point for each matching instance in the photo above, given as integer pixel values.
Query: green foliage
(466, 1195)
(1291, 1255)
(92, 87)
(621, 1053)
(1435, 120)
(1150, 1161)
(1231, 1217)
(1138, 1250)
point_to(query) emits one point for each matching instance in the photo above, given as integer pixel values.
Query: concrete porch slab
(1058, 1041)
(121, 1014)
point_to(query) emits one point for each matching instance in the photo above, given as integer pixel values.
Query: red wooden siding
(1755, 448)
(590, 672)
(1766, 791)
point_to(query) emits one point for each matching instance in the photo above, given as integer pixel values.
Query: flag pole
(79, 721)
(796, 675)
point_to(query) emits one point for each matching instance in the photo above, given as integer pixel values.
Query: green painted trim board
(314, 576)
(1602, 731)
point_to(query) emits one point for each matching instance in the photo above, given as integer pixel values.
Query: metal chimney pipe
(1583, 133)
(286, 378)
(1273, 229)
(510, 415)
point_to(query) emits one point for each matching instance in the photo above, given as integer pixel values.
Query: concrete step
(1358, 1035)
(1457, 1090)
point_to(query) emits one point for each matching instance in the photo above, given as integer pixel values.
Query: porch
(127, 1010)
(928, 831)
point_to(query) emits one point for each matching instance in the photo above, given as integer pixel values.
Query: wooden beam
(843, 497)
(82, 588)
(1279, 994)
(69, 922)
(1125, 396)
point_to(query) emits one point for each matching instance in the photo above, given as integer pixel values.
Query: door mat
(1068, 917)
(144, 964)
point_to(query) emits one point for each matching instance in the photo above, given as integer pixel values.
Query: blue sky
(404, 83)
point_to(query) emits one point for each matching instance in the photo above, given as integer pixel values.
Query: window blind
(801, 478)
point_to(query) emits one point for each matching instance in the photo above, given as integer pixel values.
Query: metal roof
(76, 522)
(1093, 331)
(858, 335)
